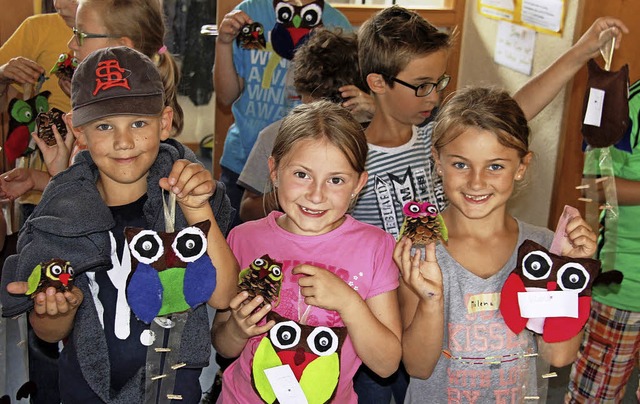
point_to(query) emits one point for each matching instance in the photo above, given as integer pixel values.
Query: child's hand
(323, 289)
(65, 85)
(192, 183)
(50, 302)
(16, 183)
(424, 277)
(591, 41)
(20, 70)
(231, 24)
(245, 316)
(357, 102)
(56, 158)
(582, 240)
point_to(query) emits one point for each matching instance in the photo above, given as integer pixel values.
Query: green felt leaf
(34, 279)
(443, 229)
(320, 378)
(264, 358)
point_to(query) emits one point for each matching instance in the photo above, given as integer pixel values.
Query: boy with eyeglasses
(404, 61)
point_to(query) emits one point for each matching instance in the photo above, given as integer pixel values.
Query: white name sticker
(285, 385)
(593, 115)
(548, 304)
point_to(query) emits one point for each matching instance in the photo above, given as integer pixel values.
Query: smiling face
(124, 147)
(88, 21)
(400, 102)
(315, 186)
(479, 173)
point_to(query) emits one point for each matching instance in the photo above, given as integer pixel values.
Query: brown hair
(142, 21)
(392, 38)
(326, 62)
(486, 108)
(322, 120)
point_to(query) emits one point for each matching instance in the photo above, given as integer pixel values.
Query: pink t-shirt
(358, 253)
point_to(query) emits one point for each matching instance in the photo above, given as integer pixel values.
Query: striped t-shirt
(397, 175)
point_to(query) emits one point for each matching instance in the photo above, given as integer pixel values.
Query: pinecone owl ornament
(264, 278)
(171, 272)
(55, 273)
(251, 36)
(561, 284)
(312, 353)
(423, 224)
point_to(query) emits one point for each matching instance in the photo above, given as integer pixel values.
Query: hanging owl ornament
(263, 277)
(251, 36)
(293, 25)
(312, 353)
(423, 224)
(55, 273)
(171, 272)
(547, 293)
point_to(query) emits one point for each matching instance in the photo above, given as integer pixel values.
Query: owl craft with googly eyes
(547, 293)
(55, 273)
(293, 25)
(312, 353)
(263, 277)
(170, 272)
(423, 224)
(251, 36)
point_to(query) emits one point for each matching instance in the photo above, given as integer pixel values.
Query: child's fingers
(304, 270)
(237, 301)
(17, 288)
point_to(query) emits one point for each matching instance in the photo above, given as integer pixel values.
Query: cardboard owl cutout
(263, 277)
(171, 272)
(423, 224)
(313, 353)
(293, 25)
(55, 273)
(548, 293)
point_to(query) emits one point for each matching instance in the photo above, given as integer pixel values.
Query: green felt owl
(264, 278)
(56, 272)
(313, 353)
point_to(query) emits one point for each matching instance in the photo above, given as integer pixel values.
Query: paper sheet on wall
(514, 47)
(501, 9)
(545, 14)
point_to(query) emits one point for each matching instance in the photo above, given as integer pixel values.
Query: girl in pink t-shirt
(337, 304)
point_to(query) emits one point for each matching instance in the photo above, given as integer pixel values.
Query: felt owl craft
(293, 25)
(22, 121)
(171, 272)
(44, 122)
(55, 273)
(251, 36)
(313, 353)
(64, 66)
(423, 224)
(263, 277)
(540, 271)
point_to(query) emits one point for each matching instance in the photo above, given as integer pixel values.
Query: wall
(532, 202)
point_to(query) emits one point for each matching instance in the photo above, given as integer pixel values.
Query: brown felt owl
(293, 25)
(539, 270)
(312, 353)
(264, 278)
(423, 224)
(251, 36)
(56, 273)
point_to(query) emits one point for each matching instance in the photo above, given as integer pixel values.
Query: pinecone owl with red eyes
(539, 271)
(264, 278)
(423, 224)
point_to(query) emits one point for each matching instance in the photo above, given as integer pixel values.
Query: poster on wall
(514, 47)
(546, 16)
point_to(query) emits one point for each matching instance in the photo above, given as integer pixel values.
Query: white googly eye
(432, 210)
(259, 262)
(573, 277)
(311, 14)
(146, 247)
(536, 265)
(56, 269)
(190, 244)
(70, 270)
(323, 341)
(285, 335)
(284, 13)
(414, 208)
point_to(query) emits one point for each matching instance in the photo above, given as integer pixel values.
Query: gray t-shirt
(255, 174)
(483, 361)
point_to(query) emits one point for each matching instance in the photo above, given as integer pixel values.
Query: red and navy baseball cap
(115, 81)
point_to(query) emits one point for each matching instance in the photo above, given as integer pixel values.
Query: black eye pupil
(323, 341)
(286, 334)
(189, 245)
(147, 246)
(573, 278)
(537, 266)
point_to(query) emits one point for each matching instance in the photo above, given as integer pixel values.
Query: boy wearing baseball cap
(119, 116)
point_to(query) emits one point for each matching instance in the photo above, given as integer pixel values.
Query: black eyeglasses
(425, 89)
(81, 36)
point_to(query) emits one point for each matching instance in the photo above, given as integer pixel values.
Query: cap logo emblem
(109, 74)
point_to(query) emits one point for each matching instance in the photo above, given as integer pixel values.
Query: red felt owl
(538, 270)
